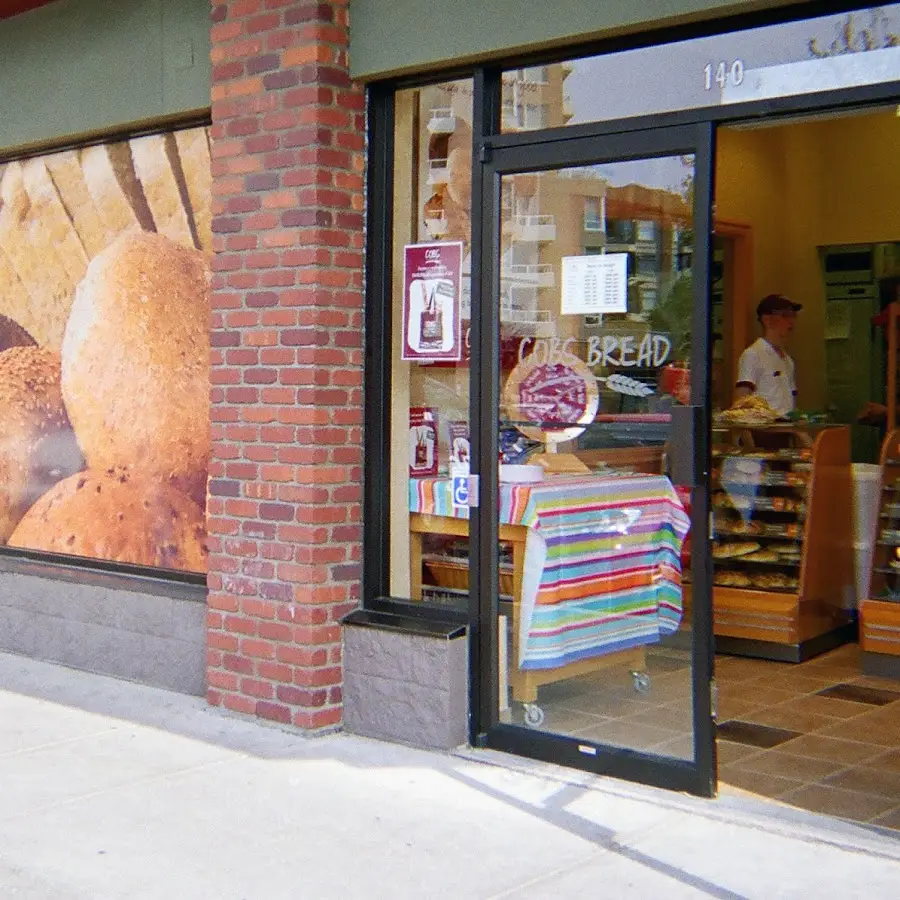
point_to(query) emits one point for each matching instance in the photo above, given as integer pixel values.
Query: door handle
(685, 439)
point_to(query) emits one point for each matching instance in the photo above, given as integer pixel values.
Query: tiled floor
(817, 735)
(839, 746)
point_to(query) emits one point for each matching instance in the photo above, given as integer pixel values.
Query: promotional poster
(432, 281)
(104, 351)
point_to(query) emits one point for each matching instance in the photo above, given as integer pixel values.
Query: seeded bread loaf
(119, 516)
(31, 417)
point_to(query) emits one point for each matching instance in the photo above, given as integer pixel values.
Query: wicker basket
(454, 573)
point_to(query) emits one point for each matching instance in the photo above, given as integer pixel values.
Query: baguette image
(70, 181)
(193, 153)
(109, 175)
(155, 167)
(30, 233)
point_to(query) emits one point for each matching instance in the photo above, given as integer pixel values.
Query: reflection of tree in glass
(877, 35)
(673, 315)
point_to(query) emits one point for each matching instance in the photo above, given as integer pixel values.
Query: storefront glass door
(596, 643)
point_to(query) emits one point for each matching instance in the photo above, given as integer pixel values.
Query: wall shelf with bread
(781, 539)
(880, 611)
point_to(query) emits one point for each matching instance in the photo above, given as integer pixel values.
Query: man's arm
(746, 376)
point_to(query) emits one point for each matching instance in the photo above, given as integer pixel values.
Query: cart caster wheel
(641, 682)
(534, 715)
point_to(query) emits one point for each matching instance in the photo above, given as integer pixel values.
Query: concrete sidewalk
(112, 790)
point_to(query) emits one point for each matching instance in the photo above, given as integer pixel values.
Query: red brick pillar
(286, 395)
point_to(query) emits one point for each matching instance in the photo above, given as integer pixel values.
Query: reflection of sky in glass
(667, 173)
(671, 77)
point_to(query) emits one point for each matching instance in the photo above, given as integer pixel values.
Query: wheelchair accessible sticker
(459, 475)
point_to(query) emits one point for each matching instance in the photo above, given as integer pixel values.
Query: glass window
(591, 392)
(104, 319)
(593, 214)
(430, 350)
(826, 53)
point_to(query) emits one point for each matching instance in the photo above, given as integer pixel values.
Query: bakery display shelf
(720, 533)
(764, 505)
(879, 610)
(777, 583)
(781, 563)
(749, 485)
(785, 606)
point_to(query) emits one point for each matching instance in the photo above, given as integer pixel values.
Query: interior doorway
(802, 539)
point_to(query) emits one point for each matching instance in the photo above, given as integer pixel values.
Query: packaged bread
(117, 515)
(135, 361)
(33, 424)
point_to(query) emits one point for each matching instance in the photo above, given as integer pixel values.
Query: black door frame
(698, 775)
(487, 136)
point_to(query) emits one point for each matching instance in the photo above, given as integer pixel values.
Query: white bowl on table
(513, 473)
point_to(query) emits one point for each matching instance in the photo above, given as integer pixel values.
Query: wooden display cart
(880, 612)
(782, 542)
(524, 684)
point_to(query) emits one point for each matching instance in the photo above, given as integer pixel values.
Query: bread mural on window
(104, 351)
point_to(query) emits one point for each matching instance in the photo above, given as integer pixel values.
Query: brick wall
(285, 479)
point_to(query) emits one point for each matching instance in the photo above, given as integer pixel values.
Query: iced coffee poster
(432, 281)
(104, 351)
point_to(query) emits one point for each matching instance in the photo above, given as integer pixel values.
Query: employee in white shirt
(765, 368)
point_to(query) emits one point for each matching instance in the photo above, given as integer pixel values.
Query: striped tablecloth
(603, 566)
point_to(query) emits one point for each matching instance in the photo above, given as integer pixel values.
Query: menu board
(593, 285)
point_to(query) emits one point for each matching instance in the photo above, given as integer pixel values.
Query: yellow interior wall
(802, 185)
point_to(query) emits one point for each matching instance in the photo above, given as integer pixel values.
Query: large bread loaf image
(135, 361)
(32, 423)
(120, 516)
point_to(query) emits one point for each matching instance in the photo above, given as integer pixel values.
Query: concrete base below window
(139, 636)
(402, 683)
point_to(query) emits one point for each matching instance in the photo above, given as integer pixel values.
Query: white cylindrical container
(866, 491)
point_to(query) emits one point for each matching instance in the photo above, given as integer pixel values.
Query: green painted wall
(84, 66)
(392, 36)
